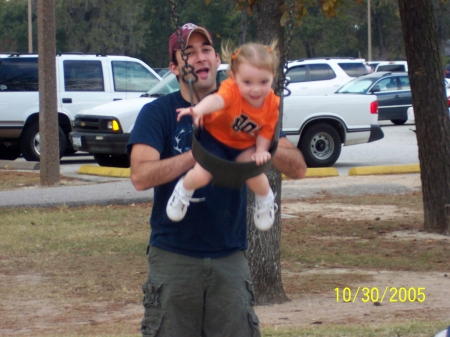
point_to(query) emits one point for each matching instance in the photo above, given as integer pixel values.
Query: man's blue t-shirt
(214, 227)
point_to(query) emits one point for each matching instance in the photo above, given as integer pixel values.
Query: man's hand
(261, 157)
(189, 111)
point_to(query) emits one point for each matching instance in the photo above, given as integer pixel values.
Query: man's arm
(148, 170)
(289, 160)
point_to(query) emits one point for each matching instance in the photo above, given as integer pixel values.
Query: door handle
(117, 99)
(67, 100)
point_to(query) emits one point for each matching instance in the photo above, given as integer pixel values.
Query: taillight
(448, 101)
(374, 107)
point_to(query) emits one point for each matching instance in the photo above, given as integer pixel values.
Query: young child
(238, 124)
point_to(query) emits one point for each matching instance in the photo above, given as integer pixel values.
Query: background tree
(101, 26)
(430, 108)
(387, 38)
(14, 25)
(264, 247)
(140, 28)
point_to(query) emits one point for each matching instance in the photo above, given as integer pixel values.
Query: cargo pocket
(252, 319)
(153, 316)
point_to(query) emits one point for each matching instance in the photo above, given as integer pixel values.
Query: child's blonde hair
(256, 54)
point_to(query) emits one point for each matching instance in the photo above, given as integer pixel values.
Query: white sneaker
(178, 203)
(264, 215)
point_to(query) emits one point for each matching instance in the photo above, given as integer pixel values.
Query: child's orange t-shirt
(238, 123)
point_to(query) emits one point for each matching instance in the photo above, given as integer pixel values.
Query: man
(199, 282)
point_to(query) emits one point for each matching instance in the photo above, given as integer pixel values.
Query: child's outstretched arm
(207, 105)
(262, 154)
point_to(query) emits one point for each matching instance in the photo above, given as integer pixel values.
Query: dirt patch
(367, 306)
(348, 212)
(14, 180)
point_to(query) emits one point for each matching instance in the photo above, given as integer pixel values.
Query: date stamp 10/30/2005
(377, 295)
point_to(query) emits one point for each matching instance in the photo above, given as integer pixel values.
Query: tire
(112, 160)
(399, 121)
(11, 152)
(320, 145)
(69, 150)
(30, 143)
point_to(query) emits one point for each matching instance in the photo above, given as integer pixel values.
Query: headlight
(113, 125)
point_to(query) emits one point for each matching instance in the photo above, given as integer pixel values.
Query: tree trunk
(264, 247)
(244, 25)
(430, 108)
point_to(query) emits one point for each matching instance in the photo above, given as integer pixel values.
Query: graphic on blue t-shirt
(182, 139)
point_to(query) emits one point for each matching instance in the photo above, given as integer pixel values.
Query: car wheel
(399, 121)
(10, 152)
(320, 145)
(30, 142)
(112, 160)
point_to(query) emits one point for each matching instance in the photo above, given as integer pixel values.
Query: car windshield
(167, 85)
(357, 86)
(354, 69)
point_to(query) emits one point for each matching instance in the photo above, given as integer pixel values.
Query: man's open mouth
(203, 72)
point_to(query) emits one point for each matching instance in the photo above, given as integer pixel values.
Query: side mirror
(376, 88)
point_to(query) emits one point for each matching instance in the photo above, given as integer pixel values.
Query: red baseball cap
(186, 32)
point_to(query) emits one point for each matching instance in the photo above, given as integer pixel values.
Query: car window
(297, 74)
(320, 72)
(356, 87)
(392, 67)
(132, 76)
(355, 69)
(404, 83)
(19, 74)
(221, 76)
(387, 84)
(83, 76)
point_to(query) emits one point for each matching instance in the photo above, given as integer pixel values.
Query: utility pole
(30, 28)
(369, 32)
(48, 114)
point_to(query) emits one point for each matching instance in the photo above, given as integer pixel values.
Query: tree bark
(264, 247)
(430, 108)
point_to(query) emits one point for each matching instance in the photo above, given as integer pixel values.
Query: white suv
(322, 76)
(83, 81)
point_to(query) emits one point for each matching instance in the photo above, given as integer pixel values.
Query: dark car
(392, 90)
(447, 71)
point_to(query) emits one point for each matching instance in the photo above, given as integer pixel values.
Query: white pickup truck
(317, 125)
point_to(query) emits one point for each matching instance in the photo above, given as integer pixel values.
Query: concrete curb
(374, 170)
(104, 171)
(322, 172)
